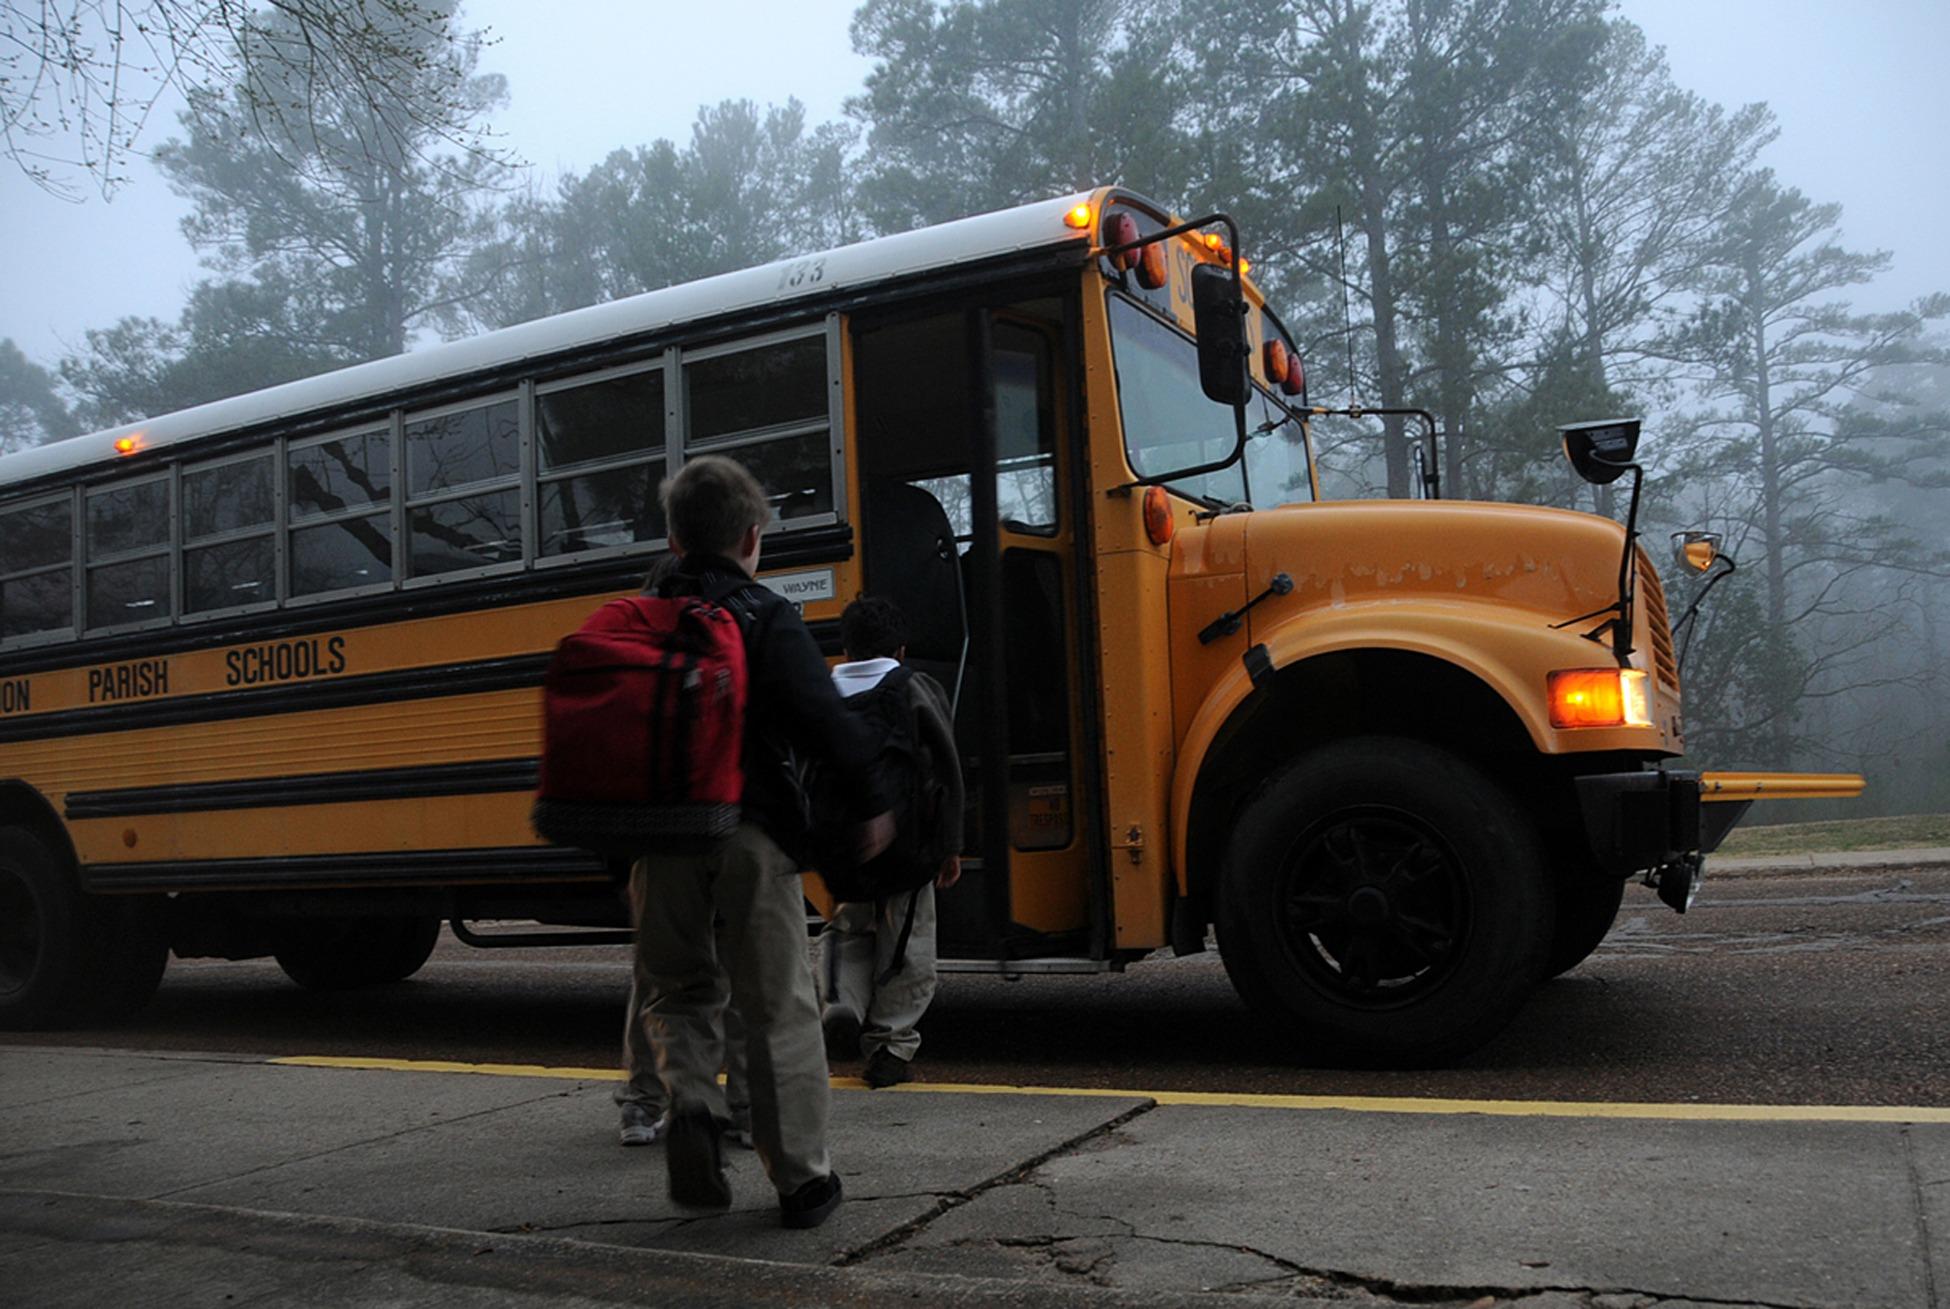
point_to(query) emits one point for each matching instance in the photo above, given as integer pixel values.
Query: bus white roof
(852, 267)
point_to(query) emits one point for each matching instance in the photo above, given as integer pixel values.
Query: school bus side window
(463, 506)
(768, 407)
(338, 541)
(36, 568)
(599, 447)
(229, 541)
(1168, 422)
(128, 554)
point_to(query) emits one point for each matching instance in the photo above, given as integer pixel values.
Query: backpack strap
(899, 961)
(734, 594)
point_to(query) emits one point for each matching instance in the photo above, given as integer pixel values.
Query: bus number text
(806, 272)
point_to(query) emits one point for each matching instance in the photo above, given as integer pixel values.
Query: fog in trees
(1508, 212)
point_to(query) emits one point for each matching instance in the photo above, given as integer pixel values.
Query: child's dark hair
(873, 627)
(712, 503)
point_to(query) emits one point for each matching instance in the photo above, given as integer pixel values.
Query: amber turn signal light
(1158, 522)
(1600, 697)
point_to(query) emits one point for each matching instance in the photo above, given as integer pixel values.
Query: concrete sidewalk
(1832, 860)
(176, 1179)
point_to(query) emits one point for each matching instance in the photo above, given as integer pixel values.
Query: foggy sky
(1858, 89)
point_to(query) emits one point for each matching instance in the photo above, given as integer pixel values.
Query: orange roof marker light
(1079, 217)
(128, 445)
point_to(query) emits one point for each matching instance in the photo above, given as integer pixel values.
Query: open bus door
(985, 569)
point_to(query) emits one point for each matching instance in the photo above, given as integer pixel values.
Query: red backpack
(643, 721)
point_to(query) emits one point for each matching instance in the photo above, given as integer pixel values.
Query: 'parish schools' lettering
(284, 661)
(14, 696)
(130, 681)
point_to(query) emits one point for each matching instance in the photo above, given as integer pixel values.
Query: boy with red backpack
(876, 954)
(717, 827)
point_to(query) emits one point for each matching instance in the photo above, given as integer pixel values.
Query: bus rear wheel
(67, 958)
(340, 954)
(1385, 900)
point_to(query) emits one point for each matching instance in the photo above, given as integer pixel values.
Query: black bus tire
(340, 954)
(68, 958)
(1386, 901)
(45, 940)
(1587, 906)
(131, 950)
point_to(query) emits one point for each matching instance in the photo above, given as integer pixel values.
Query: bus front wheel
(339, 954)
(1385, 900)
(1587, 906)
(67, 957)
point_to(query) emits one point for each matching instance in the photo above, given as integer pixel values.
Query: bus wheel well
(1332, 697)
(22, 806)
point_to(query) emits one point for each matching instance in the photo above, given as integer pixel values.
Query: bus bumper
(1664, 822)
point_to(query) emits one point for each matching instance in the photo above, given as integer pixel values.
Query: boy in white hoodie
(869, 1010)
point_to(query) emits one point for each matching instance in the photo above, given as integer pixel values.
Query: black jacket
(790, 703)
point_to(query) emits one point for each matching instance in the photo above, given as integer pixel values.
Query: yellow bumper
(1722, 788)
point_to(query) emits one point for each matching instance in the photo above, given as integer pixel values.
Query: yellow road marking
(1363, 1104)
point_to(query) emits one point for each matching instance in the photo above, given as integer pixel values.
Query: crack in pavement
(1090, 1256)
(1302, 1279)
(956, 1199)
(1922, 1216)
(1298, 1278)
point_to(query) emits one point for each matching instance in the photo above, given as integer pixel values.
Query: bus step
(1025, 967)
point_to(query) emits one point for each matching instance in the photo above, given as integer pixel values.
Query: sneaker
(695, 1156)
(642, 1125)
(812, 1204)
(886, 1068)
(842, 1027)
(740, 1133)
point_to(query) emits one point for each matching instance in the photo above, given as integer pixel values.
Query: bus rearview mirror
(1601, 451)
(1218, 314)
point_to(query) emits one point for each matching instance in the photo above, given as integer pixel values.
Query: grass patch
(1913, 831)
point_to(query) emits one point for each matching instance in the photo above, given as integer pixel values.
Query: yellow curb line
(1360, 1104)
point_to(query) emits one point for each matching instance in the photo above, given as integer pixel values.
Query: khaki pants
(642, 1084)
(856, 949)
(759, 950)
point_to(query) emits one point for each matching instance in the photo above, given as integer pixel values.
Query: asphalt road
(1776, 989)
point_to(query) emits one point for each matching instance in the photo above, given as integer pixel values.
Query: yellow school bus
(269, 668)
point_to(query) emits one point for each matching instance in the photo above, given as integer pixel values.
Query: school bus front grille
(1658, 623)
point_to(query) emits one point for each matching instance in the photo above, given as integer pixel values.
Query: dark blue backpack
(910, 775)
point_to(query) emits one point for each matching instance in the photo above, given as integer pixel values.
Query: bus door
(985, 571)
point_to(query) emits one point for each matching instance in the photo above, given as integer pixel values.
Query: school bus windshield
(1169, 423)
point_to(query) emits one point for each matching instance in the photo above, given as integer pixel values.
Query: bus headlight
(1600, 697)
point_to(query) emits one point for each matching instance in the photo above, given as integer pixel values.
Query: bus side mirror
(1219, 317)
(1696, 551)
(1602, 450)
